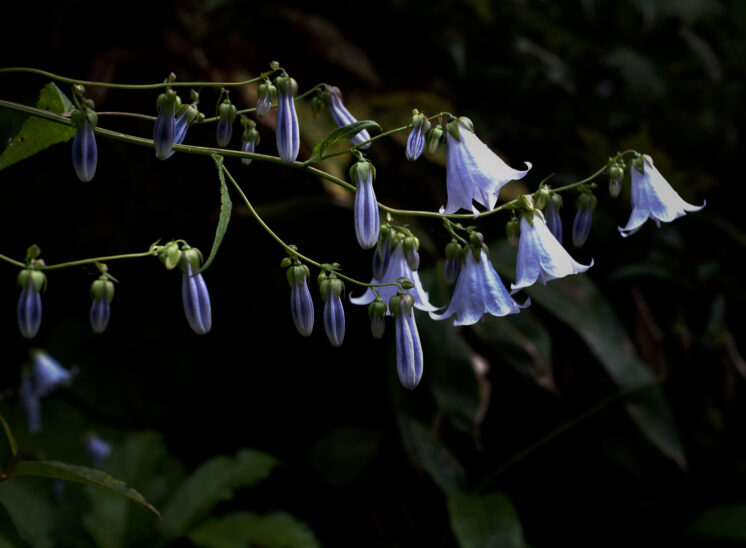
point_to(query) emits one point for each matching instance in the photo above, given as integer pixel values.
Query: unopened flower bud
(411, 245)
(616, 174)
(541, 198)
(417, 136)
(170, 255)
(164, 130)
(342, 117)
(334, 314)
(194, 292)
(226, 115)
(249, 138)
(513, 230)
(453, 261)
(552, 216)
(288, 134)
(266, 94)
(301, 304)
(85, 152)
(377, 315)
(32, 282)
(367, 221)
(434, 139)
(408, 346)
(581, 226)
(102, 291)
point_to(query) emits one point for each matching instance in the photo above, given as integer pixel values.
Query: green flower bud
(513, 230)
(103, 288)
(542, 197)
(616, 174)
(170, 255)
(434, 138)
(190, 255)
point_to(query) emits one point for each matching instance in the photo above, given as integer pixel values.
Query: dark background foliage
(561, 84)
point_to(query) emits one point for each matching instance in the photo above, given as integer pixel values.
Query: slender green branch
(12, 261)
(127, 115)
(149, 253)
(247, 110)
(111, 85)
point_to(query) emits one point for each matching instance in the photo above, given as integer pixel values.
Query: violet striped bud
(164, 131)
(416, 141)
(408, 346)
(194, 292)
(377, 315)
(411, 245)
(265, 95)
(249, 138)
(301, 304)
(342, 117)
(552, 216)
(32, 282)
(453, 261)
(185, 117)
(367, 222)
(287, 131)
(581, 226)
(102, 291)
(331, 289)
(227, 115)
(85, 152)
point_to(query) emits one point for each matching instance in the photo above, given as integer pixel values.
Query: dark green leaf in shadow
(9, 435)
(212, 482)
(485, 521)
(275, 530)
(31, 514)
(226, 207)
(342, 455)
(37, 133)
(426, 451)
(725, 523)
(344, 133)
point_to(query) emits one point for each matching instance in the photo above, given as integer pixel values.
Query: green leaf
(212, 482)
(9, 435)
(79, 474)
(37, 133)
(485, 521)
(578, 302)
(4, 543)
(275, 530)
(425, 450)
(344, 133)
(31, 514)
(226, 206)
(726, 523)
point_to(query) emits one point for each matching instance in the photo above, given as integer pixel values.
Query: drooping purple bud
(288, 133)
(552, 216)
(248, 146)
(367, 222)
(265, 94)
(196, 300)
(301, 304)
(29, 303)
(417, 136)
(581, 226)
(249, 138)
(85, 152)
(227, 114)
(164, 131)
(342, 117)
(408, 346)
(331, 289)
(100, 312)
(410, 245)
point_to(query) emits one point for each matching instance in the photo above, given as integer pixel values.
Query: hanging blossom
(652, 197)
(367, 222)
(408, 346)
(396, 268)
(479, 291)
(288, 133)
(342, 117)
(473, 171)
(540, 256)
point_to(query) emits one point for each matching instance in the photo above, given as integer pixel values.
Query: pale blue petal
(334, 319)
(288, 134)
(408, 349)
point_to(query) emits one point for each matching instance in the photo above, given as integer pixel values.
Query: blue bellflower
(85, 152)
(288, 133)
(301, 307)
(652, 198)
(397, 267)
(48, 375)
(334, 318)
(474, 172)
(196, 300)
(479, 291)
(97, 450)
(367, 221)
(540, 256)
(342, 117)
(408, 346)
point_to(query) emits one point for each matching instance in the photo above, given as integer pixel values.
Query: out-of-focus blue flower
(473, 171)
(195, 295)
(479, 291)
(29, 303)
(334, 314)
(288, 133)
(581, 226)
(397, 268)
(30, 402)
(301, 304)
(416, 140)
(367, 222)
(97, 450)
(85, 152)
(48, 375)
(652, 197)
(552, 216)
(408, 346)
(342, 117)
(540, 256)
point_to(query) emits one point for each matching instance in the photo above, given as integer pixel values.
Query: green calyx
(513, 230)
(32, 276)
(401, 303)
(297, 274)
(377, 309)
(286, 85)
(586, 200)
(453, 249)
(361, 170)
(328, 282)
(542, 196)
(191, 256)
(102, 288)
(170, 255)
(434, 138)
(227, 110)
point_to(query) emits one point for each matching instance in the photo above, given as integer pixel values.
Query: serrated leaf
(212, 482)
(344, 133)
(37, 133)
(9, 435)
(226, 207)
(79, 474)
(485, 521)
(275, 530)
(31, 514)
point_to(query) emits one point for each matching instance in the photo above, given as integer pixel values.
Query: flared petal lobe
(85, 152)
(474, 173)
(479, 291)
(653, 198)
(541, 257)
(196, 301)
(408, 347)
(334, 319)
(301, 308)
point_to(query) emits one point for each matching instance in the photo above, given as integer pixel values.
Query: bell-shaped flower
(288, 133)
(30, 402)
(48, 375)
(473, 171)
(408, 346)
(652, 197)
(342, 117)
(367, 222)
(85, 152)
(331, 289)
(97, 450)
(417, 136)
(194, 293)
(479, 291)
(301, 304)
(397, 268)
(540, 256)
